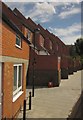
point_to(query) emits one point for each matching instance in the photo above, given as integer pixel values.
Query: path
(56, 102)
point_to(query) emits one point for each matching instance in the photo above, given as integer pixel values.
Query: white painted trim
(0, 90)
(18, 88)
(18, 46)
(17, 65)
(17, 96)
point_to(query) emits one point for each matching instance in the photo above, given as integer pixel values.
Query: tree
(79, 46)
(73, 51)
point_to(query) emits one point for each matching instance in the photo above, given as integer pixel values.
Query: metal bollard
(24, 110)
(29, 100)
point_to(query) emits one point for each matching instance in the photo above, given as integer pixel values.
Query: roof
(8, 16)
(23, 20)
(29, 23)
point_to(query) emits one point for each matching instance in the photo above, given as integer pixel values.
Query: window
(50, 45)
(57, 47)
(29, 35)
(18, 41)
(17, 84)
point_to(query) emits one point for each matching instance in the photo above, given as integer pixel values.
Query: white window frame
(19, 46)
(29, 35)
(18, 88)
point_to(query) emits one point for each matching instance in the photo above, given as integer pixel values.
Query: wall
(11, 55)
(10, 108)
(0, 90)
(0, 37)
(8, 44)
(45, 70)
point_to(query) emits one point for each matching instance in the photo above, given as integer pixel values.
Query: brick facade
(10, 108)
(11, 55)
(8, 44)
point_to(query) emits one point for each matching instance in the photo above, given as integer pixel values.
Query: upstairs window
(29, 35)
(57, 47)
(18, 41)
(41, 41)
(50, 45)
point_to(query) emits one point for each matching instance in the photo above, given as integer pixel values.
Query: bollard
(24, 110)
(29, 100)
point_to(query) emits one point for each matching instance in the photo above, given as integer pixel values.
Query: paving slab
(56, 102)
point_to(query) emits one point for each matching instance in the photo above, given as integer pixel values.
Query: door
(0, 90)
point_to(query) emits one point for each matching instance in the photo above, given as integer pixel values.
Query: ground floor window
(17, 84)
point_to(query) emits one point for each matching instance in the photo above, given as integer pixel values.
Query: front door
(0, 90)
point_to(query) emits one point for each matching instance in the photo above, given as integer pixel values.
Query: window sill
(18, 46)
(17, 96)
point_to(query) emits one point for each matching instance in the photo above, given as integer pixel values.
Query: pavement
(55, 102)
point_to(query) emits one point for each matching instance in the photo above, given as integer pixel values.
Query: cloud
(19, 5)
(42, 12)
(41, 1)
(68, 34)
(69, 13)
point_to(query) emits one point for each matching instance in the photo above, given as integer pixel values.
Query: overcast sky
(61, 18)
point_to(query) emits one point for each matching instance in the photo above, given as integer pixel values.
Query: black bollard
(24, 110)
(29, 100)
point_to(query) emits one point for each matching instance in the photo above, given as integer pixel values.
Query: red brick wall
(0, 37)
(43, 61)
(7, 89)
(8, 44)
(10, 108)
(64, 62)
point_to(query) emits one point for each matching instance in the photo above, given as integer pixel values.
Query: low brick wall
(43, 77)
(64, 73)
(64, 67)
(45, 70)
(70, 70)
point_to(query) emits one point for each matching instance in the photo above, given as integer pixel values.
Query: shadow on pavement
(77, 111)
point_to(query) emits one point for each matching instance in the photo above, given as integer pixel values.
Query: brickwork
(46, 70)
(7, 89)
(11, 54)
(11, 108)
(8, 44)
(43, 77)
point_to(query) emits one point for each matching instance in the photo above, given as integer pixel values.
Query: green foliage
(73, 51)
(79, 46)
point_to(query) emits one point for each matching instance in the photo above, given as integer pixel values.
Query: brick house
(14, 61)
(60, 50)
(42, 54)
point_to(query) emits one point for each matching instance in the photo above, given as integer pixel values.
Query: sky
(61, 18)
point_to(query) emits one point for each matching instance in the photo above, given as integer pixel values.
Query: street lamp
(36, 31)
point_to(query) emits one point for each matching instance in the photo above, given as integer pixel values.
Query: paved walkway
(56, 102)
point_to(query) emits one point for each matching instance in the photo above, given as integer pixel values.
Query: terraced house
(14, 61)
(46, 65)
(28, 52)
